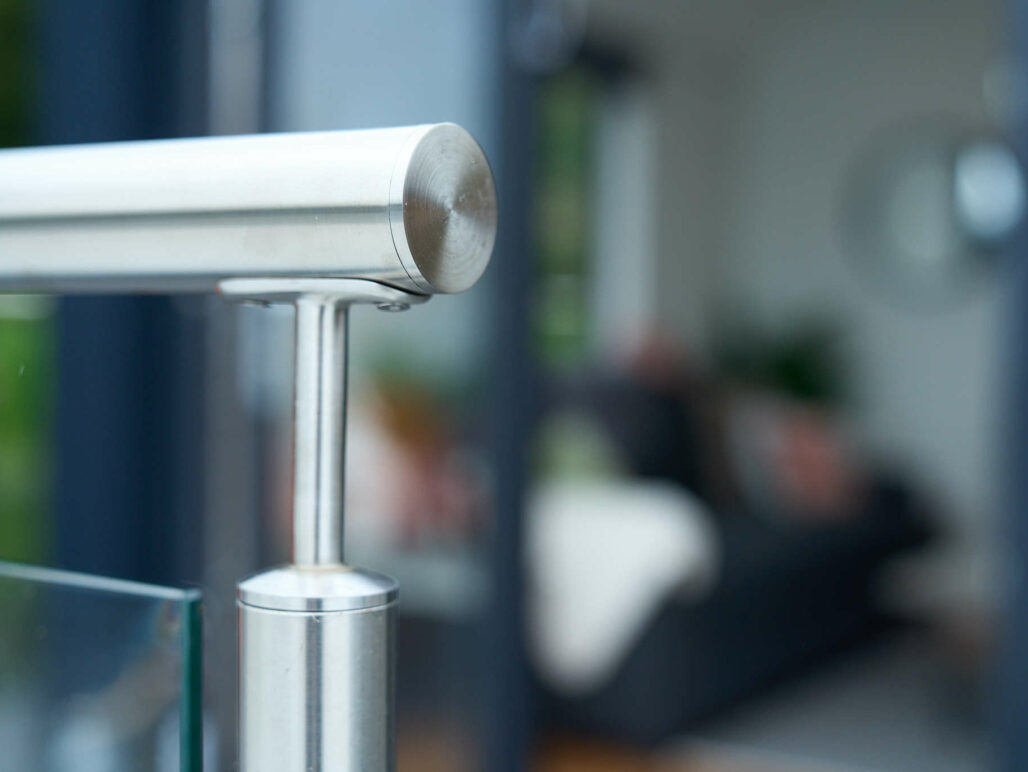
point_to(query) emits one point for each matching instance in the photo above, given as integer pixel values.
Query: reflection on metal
(320, 221)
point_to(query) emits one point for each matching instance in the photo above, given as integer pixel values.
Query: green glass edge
(191, 705)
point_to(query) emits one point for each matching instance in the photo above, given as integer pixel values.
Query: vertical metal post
(319, 421)
(317, 638)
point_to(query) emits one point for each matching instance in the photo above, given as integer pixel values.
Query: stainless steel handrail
(322, 221)
(412, 207)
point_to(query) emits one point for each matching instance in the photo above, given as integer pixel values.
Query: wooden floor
(439, 752)
(567, 755)
(571, 755)
(888, 707)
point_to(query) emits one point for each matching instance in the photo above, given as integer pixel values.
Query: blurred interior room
(719, 468)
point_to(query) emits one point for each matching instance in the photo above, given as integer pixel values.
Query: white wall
(829, 77)
(763, 106)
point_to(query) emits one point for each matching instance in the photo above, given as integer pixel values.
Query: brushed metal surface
(319, 430)
(341, 588)
(448, 224)
(413, 207)
(317, 687)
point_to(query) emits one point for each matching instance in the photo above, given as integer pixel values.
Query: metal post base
(316, 671)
